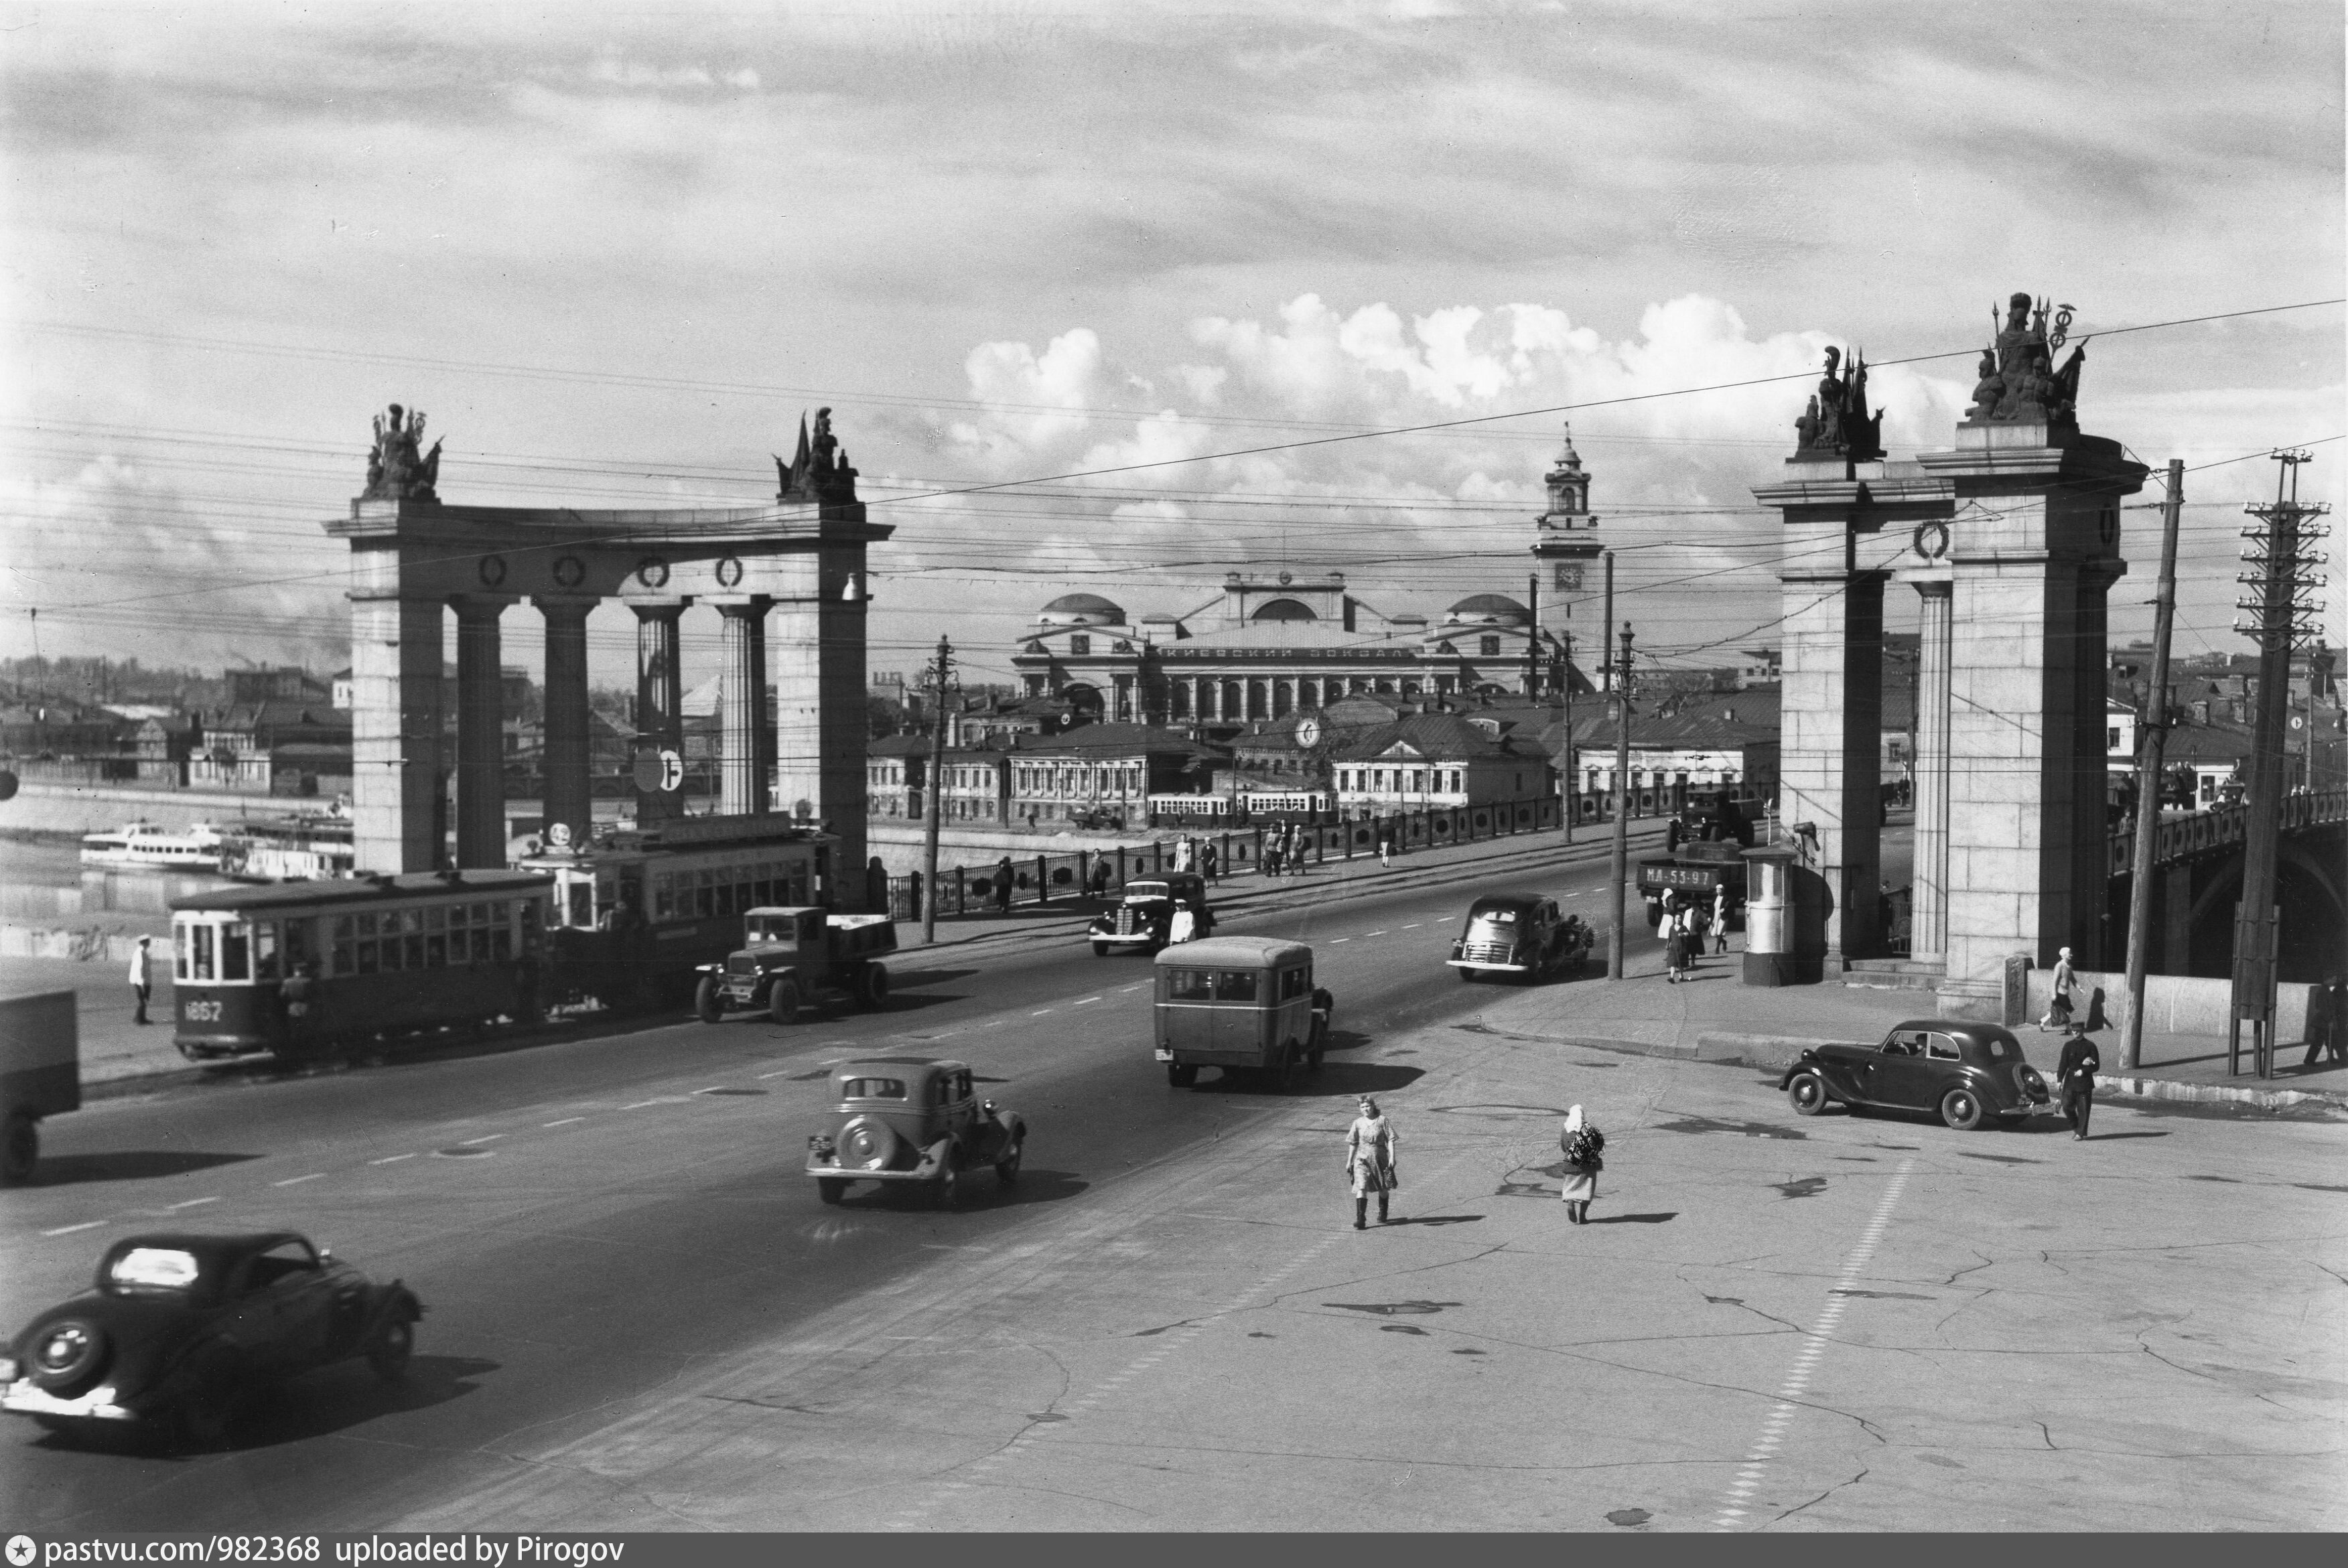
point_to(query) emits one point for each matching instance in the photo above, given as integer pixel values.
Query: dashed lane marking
(1084, 1000)
(192, 1203)
(484, 1138)
(1039, 1012)
(1413, 928)
(391, 1159)
(566, 1121)
(1335, 940)
(776, 1073)
(68, 1230)
(1367, 935)
(658, 1099)
(297, 1181)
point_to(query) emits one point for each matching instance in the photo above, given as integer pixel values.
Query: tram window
(583, 906)
(200, 961)
(345, 951)
(436, 950)
(664, 896)
(436, 918)
(411, 945)
(264, 949)
(704, 893)
(501, 933)
(725, 897)
(182, 945)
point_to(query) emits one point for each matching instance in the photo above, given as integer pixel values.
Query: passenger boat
(144, 844)
(301, 847)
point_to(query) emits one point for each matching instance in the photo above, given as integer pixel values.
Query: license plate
(1165, 1056)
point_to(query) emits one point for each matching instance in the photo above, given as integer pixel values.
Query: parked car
(181, 1329)
(912, 1118)
(1144, 921)
(1520, 934)
(1243, 1004)
(791, 957)
(1966, 1071)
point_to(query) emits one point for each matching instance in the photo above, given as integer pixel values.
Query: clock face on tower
(1308, 732)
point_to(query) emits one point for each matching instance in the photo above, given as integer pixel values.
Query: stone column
(396, 720)
(568, 795)
(1929, 932)
(1831, 744)
(480, 733)
(743, 786)
(660, 707)
(2034, 548)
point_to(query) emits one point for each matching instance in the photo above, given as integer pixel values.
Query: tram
(636, 910)
(304, 968)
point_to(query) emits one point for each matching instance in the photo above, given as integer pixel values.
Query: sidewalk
(1717, 1018)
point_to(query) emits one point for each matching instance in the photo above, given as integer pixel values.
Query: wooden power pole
(935, 784)
(2150, 744)
(1620, 870)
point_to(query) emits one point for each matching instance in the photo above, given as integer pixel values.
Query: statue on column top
(396, 471)
(1837, 422)
(2019, 383)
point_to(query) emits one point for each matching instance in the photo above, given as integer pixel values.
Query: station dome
(1081, 610)
(1487, 609)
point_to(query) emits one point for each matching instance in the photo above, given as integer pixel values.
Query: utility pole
(936, 787)
(2282, 614)
(1620, 871)
(1533, 638)
(1572, 764)
(1606, 665)
(2150, 742)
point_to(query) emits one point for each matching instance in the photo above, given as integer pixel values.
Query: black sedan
(181, 1327)
(1965, 1072)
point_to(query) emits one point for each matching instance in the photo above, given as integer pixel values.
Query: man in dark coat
(1002, 880)
(2077, 1074)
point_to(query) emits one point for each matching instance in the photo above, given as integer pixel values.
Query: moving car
(1965, 1072)
(791, 957)
(1243, 1004)
(1144, 922)
(912, 1118)
(1520, 934)
(179, 1329)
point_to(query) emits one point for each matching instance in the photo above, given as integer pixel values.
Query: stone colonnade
(2012, 540)
(799, 566)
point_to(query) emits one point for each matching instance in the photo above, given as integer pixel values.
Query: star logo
(20, 1551)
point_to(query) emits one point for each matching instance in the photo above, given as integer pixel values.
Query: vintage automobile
(1520, 934)
(1144, 921)
(1243, 1004)
(912, 1118)
(181, 1329)
(1966, 1071)
(791, 957)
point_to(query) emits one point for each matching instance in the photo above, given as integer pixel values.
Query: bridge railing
(2200, 831)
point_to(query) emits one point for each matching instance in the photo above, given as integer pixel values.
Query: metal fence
(1050, 878)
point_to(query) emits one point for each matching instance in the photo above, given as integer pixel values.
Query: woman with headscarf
(1370, 1161)
(1581, 1145)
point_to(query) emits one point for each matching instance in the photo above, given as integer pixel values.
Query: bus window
(583, 906)
(201, 963)
(1235, 986)
(1191, 985)
(264, 949)
(1293, 984)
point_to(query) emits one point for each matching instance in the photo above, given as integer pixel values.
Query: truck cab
(794, 955)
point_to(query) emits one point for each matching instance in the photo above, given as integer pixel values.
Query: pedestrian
(1271, 856)
(1100, 877)
(300, 996)
(2326, 1030)
(2058, 1002)
(1385, 845)
(2075, 1074)
(1720, 918)
(1211, 863)
(1182, 925)
(141, 985)
(1582, 1146)
(914, 886)
(1003, 886)
(1370, 1144)
(1324, 1008)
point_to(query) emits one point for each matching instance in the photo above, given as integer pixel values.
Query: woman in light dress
(1370, 1144)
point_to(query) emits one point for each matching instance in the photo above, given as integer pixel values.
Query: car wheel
(1962, 1109)
(945, 1188)
(867, 1144)
(1808, 1090)
(1100, 949)
(67, 1356)
(1006, 1169)
(706, 1005)
(394, 1343)
(20, 1149)
(830, 1189)
(1180, 1075)
(783, 1002)
(873, 988)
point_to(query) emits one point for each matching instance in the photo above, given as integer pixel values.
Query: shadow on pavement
(1335, 1080)
(130, 1165)
(979, 1191)
(1632, 1219)
(332, 1399)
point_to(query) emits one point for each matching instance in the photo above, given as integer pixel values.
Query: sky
(616, 251)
